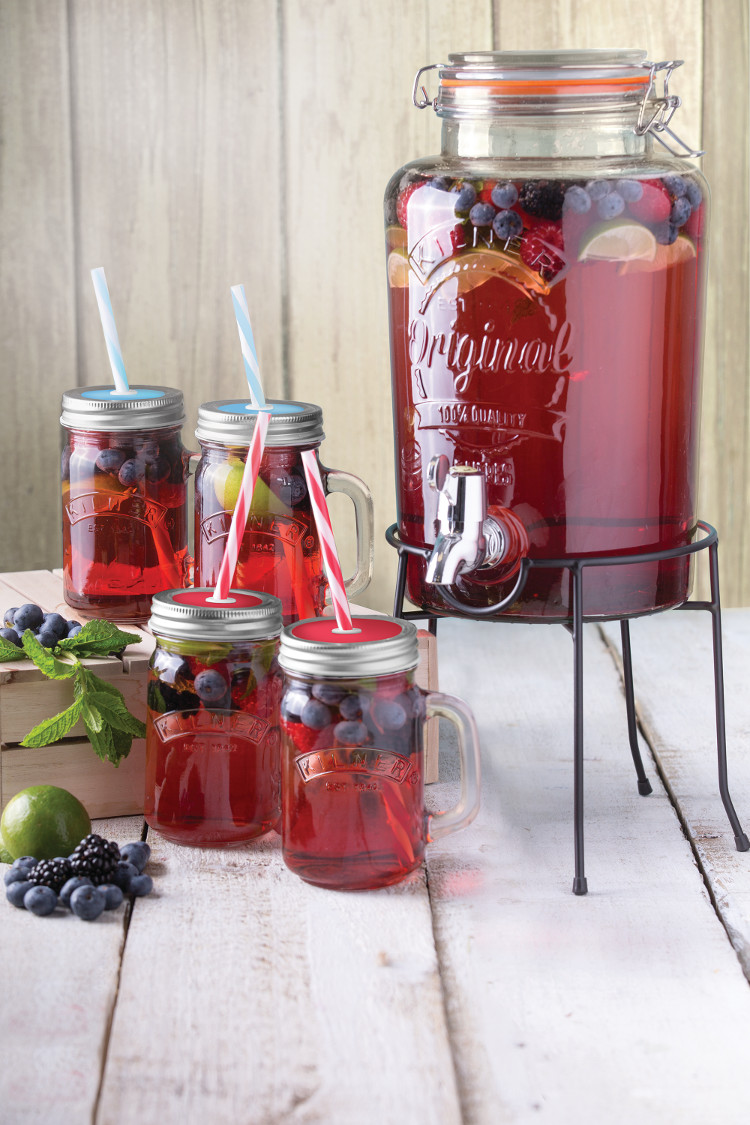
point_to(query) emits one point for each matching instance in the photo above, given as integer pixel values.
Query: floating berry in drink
(110, 461)
(403, 200)
(654, 205)
(694, 193)
(466, 195)
(597, 189)
(507, 225)
(630, 190)
(132, 473)
(351, 733)
(352, 706)
(315, 715)
(210, 686)
(539, 249)
(577, 200)
(387, 714)
(611, 205)
(681, 211)
(504, 195)
(330, 694)
(543, 198)
(157, 470)
(675, 185)
(482, 214)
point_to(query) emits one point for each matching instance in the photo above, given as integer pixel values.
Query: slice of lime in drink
(618, 242)
(681, 250)
(398, 269)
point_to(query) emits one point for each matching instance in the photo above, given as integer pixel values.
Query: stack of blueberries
(48, 628)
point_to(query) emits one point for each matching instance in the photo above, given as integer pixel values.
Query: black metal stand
(577, 566)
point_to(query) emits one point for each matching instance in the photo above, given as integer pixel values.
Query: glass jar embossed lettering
(280, 550)
(124, 499)
(546, 287)
(352, 721)
(212, 728)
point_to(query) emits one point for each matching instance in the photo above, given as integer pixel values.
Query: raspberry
(538, 249)
(654, 206)
(403, 199)
(485, 195)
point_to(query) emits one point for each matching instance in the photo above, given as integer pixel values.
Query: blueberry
(577, 200)
(123, 873)
(141, 885)
(74, 630)
(110, 461)
(25, 861)
(351, 733)
(328, 693)
(16, 875)
(29, 616)
(47, 637)
(610, 206)
(694, 193)
(73, 624)
(504, 195)
(439, 183)
(113, 895)
(73, 885)
(630, 190)
(681, 210)
(482, 214)
(12, 636)
(157, 470)
(292, 703)
(507, 225)
(387, 714)
(132, 472)
(136, 853)
(466, 196)
(87, 902)
(597, 189)
(146, 449)
(666, 233)
(351, 707)
(40, 900)
(8, 616)
(315, 715)
(675, 185)
(210, 686)
(16, 891)
(57, 623)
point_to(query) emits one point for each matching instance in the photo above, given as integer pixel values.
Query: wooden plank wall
(187, 145)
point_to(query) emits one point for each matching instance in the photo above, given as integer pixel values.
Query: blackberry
(50, 873)
(95, 857)
(543, 198)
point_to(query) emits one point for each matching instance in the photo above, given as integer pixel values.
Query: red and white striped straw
(327, 542)
(242, 509)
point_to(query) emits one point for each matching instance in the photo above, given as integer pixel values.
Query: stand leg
(398, 599)
(580, 886)
(432, 625)
(644, 785)
(741, 841)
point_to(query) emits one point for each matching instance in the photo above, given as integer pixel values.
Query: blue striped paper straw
(247, 343)
(112, 340)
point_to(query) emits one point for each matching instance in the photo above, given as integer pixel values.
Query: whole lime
(43, 821)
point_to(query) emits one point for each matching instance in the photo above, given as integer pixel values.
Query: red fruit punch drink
(212, 727)
(352, 721)
(280, 549)
(546, 284)
(124, 499)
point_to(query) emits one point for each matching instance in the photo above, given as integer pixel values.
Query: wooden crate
(27, 697)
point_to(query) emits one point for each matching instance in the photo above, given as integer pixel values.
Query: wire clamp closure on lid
(665, 108)
(424, 101)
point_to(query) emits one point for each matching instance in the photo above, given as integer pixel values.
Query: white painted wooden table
(479, 991)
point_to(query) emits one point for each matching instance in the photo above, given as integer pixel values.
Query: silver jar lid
(232, 422)
(315, 647)
(188, 615)
(101, 408)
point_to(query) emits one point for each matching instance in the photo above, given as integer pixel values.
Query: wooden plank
(177, 164)
(625, 1005)
(673, 673)
(725, 487)
(37, 311)
(104, 790)
(300, 1004)
(58, 983)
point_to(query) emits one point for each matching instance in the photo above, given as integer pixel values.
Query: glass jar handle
(193, 460)
(456, 712)
(361, 497)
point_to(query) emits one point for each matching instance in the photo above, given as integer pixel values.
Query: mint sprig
(109, 725)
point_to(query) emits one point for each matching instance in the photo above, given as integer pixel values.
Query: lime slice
(681, 250)
(618, 242)
(398, 269)
(395, 238)
(226, 480)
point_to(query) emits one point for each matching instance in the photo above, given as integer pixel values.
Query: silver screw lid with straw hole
(101, 408)
(247, 615)
(348, 656)
(232, 423)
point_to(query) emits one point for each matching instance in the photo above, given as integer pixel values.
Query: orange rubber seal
(550, 85)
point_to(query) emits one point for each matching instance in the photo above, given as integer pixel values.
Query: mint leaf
(50, 730)
(102, 742)
(98, 638)
(90, 715)
(113, 710)
(122, 743)
(52, 667)
(9, 651)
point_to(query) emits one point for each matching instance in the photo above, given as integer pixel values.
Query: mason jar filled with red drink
(546, 291)
(280, 548)
(212, 725)
(124, 499)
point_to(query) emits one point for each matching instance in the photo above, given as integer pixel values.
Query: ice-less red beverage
(212, 737)
(352, 723)
(124, 499)
(546, 316)
(280, 549)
